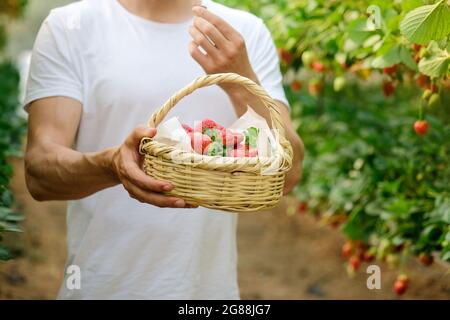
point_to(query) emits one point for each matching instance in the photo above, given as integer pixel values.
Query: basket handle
(213, 79)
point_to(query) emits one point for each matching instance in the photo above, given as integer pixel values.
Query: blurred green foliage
(364, 163)
(12, 127)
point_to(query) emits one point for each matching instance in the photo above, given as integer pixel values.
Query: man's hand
(224, 46)
(127, 163)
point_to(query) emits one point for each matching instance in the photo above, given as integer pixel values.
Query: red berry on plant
(425, 259)
(434, 88)
(390, 70)
(302, 207)
(422, 81)
(416, 47)
(354, 262)
(296, 85)
(368, 256)
(421, 127)
(347, 249)
(318, 66)
(400, 287)
(315, 88)
(388, 88)
(285, 56)
(401, 284)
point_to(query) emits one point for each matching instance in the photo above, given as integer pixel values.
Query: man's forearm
(55, 172)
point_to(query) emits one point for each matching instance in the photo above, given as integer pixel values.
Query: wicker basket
(222, 183)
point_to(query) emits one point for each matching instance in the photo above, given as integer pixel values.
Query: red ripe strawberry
(390, 70)
(347, 249)
(199, 141)
(388, 88)
(422, 81)
(421, 127)
(187, 128)
(230, 138)
(252, 152)
(400, 287)
(368, 256)
(401, 284)
(425, 259)
(302, 207)
(285, 56)
(296, 85)
(318, 66)
(354, 262)
(433, 87)
(315, 88)
(207, 124)
(416, 47)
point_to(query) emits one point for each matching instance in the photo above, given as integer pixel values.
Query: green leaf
(251, 136)
(407, 59)
(388, 59)
(436, 63)
(358, 31)
(426, 23)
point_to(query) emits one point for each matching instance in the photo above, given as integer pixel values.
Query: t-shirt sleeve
(52, 68)
(266, 64)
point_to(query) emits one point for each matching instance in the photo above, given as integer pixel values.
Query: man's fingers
(198, 56)
(211, 31)
(202, 40)
(136, 176)
(156, 199)
(138, 133)
(218, 22)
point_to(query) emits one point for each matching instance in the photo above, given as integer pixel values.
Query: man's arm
(54, 171)
(226, 52)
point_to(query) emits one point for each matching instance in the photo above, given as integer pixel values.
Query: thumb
(140, 132)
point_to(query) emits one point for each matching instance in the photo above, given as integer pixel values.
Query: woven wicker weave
(222, 183)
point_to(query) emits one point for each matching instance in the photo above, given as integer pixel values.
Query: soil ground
(280, 257)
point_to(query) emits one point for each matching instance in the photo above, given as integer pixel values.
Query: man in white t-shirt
(99, 69)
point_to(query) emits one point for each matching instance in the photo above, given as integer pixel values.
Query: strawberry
(302, 207)
(347, 249)
(231, 138)
(318, 66)
(425, 259)
(199, 142)
(388, 88)
(421, 127)
(187, 128)
(369, 255)
(390, 70)
(207, 124)
(315, 88)
(296, 85)
(252, 152)
(354, 262)
(416, 47)
(422, 81)
(434, 88)
(285, 56)
(401, 284)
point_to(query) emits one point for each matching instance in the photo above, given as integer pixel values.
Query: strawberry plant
(373, 112)
(11, 127)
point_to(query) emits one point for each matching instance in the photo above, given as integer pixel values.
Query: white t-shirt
(121, 68)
